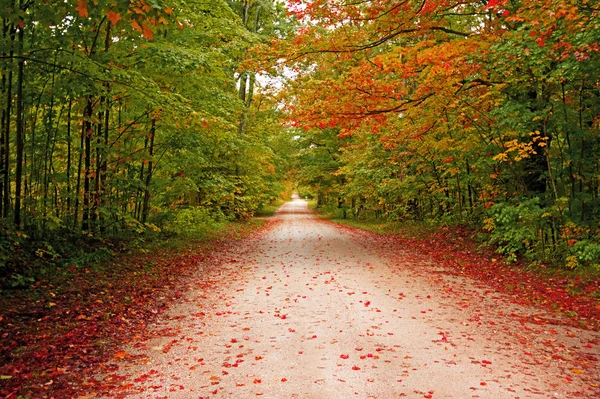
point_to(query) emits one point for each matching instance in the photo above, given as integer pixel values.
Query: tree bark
(146, 207)
(20, 127)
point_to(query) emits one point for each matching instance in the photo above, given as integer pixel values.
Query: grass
(270, 209)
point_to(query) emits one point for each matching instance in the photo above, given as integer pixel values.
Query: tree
(477, 107)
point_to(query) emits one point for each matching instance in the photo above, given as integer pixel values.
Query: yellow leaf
(577, 371)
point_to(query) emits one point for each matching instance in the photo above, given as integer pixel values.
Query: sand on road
(307, 309)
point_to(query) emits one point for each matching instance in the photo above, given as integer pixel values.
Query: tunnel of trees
(118, 119)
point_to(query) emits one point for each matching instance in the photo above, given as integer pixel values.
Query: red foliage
(457, 253)
(54, 335)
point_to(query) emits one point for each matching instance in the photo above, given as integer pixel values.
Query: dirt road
(307, 309)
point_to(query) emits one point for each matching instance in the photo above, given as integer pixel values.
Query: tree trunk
(20, 128)
(146, 208)
(68, 199)
(88, 132)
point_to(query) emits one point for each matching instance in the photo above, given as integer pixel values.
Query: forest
(133, 120)
(125, 119)
(477, 113)
(140, 140)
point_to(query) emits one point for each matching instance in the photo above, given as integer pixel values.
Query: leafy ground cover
(456, 250)
(61, 328)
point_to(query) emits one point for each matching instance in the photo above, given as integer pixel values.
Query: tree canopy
(125, 117)
(136, 116)
(473, 112)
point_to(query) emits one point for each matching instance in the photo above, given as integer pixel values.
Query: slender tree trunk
(87, 127)
(6, 158)
(102, 137)
(48, 153)
(95, 196)
(20, 127)
(146, 208)
(51, 169)
(469, 187)
(138, 196)
(104, 162)
(78, 186)
(68, 172)
(9, 33)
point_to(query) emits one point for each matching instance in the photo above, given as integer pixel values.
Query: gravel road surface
(308, 309)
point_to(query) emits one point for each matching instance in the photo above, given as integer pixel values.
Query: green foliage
(196, 222)
(515, 227)
(587, 252)
(138, 123)
(491, 124)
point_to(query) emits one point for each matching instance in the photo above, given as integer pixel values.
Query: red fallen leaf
(343, 356)
(483, 383)
(284, 316)
(142, 378)
(257, 381)
(233, 340)
(367, 303)
(355, 368)
(369, 355)
(485, 362)
(283, 379)
(358, 348)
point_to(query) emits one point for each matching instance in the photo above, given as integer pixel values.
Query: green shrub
(587, 252)
(196, 221)
(515, 228)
